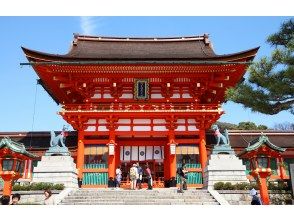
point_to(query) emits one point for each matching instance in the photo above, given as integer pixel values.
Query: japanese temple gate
(140, 99)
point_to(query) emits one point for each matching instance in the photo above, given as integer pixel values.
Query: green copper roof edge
(263, 139)
(16, 147)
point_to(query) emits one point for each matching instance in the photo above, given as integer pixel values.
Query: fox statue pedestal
(223, 164)
(57, 170)
(57, 166)
(224, 168)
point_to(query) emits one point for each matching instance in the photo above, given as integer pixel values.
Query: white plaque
(111, 149)
(172, 149)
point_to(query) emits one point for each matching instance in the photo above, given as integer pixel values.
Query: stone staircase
(166, 196)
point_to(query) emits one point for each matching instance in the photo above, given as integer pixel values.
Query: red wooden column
(117, 156)
(281, 168)
(111, 158)
(166, 163)
(172, 157)
(202, 149)
(263, 188)
(81, 154)
(7, 188)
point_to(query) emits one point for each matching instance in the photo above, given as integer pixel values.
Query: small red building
(143, 95)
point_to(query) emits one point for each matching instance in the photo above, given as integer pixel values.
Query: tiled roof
(115, 48)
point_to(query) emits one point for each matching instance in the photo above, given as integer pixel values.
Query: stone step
(139, 197)
(138, 193)
(139, 200)
(142, 203)
(137, 190)
(136, 198)
(142, 195)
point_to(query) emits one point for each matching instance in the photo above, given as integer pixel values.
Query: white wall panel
(142, 121)
(127, 96)
(142, 128)
(156, 96)
(159, 121)
(192, 128)
(102, 128)
(123, 128)
(91, 121)
(181, 128)
(96, 96)
(91, 128)
(176, 96)
(159, 128)
(186, 95)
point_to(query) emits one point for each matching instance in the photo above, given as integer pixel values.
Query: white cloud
(89, 25)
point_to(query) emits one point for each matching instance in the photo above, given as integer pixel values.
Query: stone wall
(242, 197)
(34, 197)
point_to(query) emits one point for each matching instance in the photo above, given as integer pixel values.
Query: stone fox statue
(220, 138)
(55, 140)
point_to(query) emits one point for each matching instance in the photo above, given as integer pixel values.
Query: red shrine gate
(140, 99)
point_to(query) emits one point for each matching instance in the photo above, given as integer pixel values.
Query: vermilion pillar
(117, 156)
(263, 188)
(172, 157)
(81, 155)
(111, 158)
(166, 163)
(202, 149)
(7, 185)
(281, 168)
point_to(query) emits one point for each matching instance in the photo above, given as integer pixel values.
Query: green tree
(247, 125)
(270, 86)
(225, 125)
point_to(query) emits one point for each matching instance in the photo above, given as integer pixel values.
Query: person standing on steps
(181, 171)
(118, 177)
(149, 177)
(133, 176)
(140, 174)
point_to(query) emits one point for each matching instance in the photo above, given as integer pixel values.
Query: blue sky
(54, 35)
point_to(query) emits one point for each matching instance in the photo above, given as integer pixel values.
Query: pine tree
(270, 86)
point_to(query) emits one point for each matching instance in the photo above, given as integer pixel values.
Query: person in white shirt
(118, 177)
(134, 176)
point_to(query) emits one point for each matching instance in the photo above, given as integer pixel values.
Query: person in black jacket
(182, 172)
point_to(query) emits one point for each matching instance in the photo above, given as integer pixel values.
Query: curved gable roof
(115, 48)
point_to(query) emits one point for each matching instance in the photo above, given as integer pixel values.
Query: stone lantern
(259, 152)
(12, 159)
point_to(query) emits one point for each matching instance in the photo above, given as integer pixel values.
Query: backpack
(133, 172)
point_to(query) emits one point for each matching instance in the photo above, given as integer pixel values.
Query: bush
(59, 186)
(218, 185)
(279, 185)
(253, 185)
(241, 186)
(38, 186)
(237, 186)
(228, 186)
